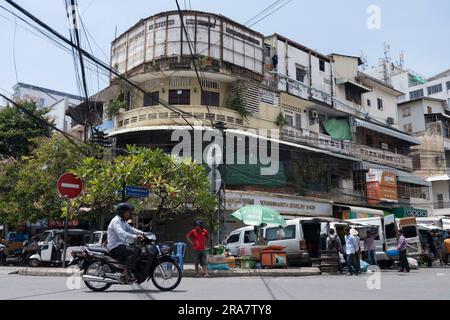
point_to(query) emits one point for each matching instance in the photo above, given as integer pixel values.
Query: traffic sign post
(69, 187)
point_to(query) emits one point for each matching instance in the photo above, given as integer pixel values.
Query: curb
(298, 272)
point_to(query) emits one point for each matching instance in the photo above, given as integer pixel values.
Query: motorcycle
(101, 270)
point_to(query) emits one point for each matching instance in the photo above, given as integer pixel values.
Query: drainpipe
(310, 76)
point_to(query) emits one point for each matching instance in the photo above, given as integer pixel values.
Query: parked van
(411, 234)
(385, 240)
(240, 241)
(301, 239)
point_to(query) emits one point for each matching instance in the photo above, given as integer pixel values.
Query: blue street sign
(137, 192)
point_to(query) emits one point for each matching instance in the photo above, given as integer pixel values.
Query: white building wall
(415, 118)
(58, 115)
(441, 188)
(389, 106)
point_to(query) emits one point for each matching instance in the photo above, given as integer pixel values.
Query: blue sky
(418, 27)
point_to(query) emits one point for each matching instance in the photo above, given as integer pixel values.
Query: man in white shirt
(350, 249)
(120, 235)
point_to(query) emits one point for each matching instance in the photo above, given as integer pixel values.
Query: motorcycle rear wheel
(93, 270)
(166, 275)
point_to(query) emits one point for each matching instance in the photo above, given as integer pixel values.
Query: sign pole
(66, 225)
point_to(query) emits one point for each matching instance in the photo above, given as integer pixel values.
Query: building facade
(341, 147)
(56, 101)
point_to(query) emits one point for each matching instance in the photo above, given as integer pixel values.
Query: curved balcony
(195, 115)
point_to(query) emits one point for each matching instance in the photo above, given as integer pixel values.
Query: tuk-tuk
(50, 246)
(432, 243)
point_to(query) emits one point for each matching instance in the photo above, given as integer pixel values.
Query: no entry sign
(70, 186)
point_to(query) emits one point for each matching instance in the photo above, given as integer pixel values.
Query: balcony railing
(299, 89)
(363, 152)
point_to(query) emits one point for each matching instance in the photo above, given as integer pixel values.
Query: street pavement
(423, 284)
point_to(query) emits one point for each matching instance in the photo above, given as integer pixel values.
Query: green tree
(176, 185)
(9, 173)
(18, 130)
(35, 193)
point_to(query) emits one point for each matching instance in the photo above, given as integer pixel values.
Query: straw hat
(353, 232)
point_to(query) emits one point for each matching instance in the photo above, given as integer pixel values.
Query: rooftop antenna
(387, 63)
(401, 63)
(364, 61)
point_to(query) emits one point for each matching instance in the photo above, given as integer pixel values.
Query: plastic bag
(218, 266)
(363, 266)
(413, 263)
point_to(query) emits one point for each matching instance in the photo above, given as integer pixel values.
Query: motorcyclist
(120, 235)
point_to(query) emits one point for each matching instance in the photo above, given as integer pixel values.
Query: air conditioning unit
(390, 121)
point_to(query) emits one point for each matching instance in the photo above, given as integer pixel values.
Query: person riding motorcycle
(120, 235)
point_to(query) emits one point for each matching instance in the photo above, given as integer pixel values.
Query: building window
(151, 99)
(448, 85)
(407, 128)
(267, 50)
(41, 102)
(440, 201)
(416, 94)
(352, 94)
(380, 104)
(298, 121)
(434, 89)
(416, 162)
(406, 112)
(321, 65)
(180, 97)
(210, 98)
(289, 120)
(300, 73)
(369, 103)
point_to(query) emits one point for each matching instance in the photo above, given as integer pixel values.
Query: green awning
(250, 174)
(338, 129)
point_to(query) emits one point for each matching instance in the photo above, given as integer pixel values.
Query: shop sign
(235, 200)
(381, 186)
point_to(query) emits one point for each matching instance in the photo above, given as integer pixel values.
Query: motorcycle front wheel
(97, 269)
(166, 275)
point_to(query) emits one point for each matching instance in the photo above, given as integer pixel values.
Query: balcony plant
(116, 104)
(236, 102)
(280, 121)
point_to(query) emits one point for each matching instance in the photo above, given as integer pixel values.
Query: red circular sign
(70, 186)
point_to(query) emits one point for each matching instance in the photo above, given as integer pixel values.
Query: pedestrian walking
(355, 233)
(197, 237)
(333, 243)
(447, 249)
(401, 248)
(370, 247)
(350, 249)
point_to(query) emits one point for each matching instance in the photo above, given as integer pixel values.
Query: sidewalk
(189, 272)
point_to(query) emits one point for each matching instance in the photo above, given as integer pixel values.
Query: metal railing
(297, 88)
(363, 152)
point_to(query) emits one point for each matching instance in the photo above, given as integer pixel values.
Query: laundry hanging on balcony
(338, 129)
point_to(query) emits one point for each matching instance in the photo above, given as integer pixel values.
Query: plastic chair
(179, 253)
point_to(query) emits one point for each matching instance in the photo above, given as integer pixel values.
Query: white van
(301, 237)
(386, 240)
(412, 236)
(240, 241)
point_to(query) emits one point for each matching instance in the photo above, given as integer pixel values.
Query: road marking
(440, 274)
(70, 185)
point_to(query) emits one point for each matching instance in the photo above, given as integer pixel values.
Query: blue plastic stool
(180, 251)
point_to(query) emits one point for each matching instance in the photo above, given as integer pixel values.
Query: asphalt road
(421, 284)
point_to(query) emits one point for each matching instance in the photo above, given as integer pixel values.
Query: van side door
(390, 234)
(409, 227)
